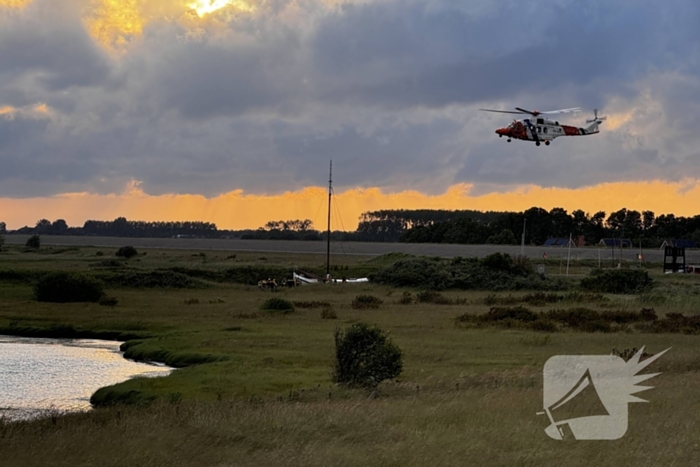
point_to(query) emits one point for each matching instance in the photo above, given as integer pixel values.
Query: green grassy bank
(254, 388)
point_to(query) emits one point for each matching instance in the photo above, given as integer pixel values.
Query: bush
(617, 281)
(108, 301)
(517, 313)
(63, 287)
(33, 242)
(365, 356)
(328, 313)
(366, 301)
(495, 272)
(429, 296)
(406, 299)
(426, 273)
(150, 279)
(2, 241)
(312, 304)
(127, 252)
(277, 304)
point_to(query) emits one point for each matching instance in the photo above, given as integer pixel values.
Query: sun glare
(205, 7)
(113, 23)
(14, 3)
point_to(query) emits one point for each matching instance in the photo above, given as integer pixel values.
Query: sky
(229, 111)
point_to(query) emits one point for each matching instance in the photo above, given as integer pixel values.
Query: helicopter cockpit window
(540, 121)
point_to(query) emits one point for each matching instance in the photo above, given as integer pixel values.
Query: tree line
(418, 226)
(540, 224)
(121, 227)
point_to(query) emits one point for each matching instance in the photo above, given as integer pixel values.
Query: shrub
(108, 301)
(127, 252)
(311, 304)
(618, 281)
(33, 242)
(99, 253)
(328, 313)
(574, 317)
(276, 304)
(423, 272)
(2, 241)
(517, 313)
(365, 356)
(63, 287)
(366, 301)
(406, 299)
(191, 301)
(544, 325)
(108, 263)
(430, 296)
(150, 279)
(495, 272)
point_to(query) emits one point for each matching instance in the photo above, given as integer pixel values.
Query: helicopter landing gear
(537, 143)
(500, 136)
(546, 143)
(509, 140)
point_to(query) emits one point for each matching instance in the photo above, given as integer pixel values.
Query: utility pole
(328, 240)
(568, 256)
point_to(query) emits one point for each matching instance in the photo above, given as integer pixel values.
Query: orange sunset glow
(237, 210)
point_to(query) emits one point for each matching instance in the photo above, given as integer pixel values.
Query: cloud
(258, 96)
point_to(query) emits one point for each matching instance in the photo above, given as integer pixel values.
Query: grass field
(265, 397)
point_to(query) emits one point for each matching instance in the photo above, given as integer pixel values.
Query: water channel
(42, 375)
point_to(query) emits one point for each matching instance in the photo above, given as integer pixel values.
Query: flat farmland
(352, 248)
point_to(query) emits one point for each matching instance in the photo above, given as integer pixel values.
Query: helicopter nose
(503, 131)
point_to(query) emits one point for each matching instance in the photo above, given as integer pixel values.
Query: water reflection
(37, 375)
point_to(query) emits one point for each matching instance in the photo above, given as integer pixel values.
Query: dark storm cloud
(52, 44)
(412, 56)
(388, 89)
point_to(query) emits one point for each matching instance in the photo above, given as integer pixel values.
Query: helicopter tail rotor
(596, 118)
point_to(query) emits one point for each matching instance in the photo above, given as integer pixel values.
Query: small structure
(679, 243)
(692, 269)
(563, 241)
(616, 242)
(674, 259)
(559, 241)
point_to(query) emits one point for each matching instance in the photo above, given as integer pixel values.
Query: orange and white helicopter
(542, 130)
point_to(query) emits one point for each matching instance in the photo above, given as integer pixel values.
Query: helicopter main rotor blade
(535, 113)
(503, 111)
(562, 111)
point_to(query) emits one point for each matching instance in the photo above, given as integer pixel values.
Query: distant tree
(43, 226)
(3, 228)
(33, 242)
(562, 224)
(59, 227)
(505, 237)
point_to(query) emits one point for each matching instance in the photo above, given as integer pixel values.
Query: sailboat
(305, 278)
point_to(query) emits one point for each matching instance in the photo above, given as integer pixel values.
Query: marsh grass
(255, 389)
(489, 420)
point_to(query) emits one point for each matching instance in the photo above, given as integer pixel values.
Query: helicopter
(542, 130)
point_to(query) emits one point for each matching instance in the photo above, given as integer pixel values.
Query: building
(554, 241)
(616, 242)
(679, 243)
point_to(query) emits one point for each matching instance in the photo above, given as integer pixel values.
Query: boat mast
(328, 240)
